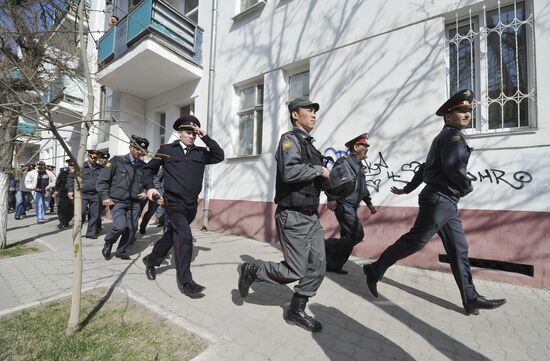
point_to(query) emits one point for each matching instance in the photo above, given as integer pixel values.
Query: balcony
(65, 96)
(150, 51)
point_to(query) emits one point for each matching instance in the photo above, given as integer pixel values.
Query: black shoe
(472, 307)
(17, 218)
(150, 271)
(106, 251)
(371, 281)
(296, 315)
(247, 275)
(142, 231)
(336, 270)
(122, 256)
(92, 237)
(191, 289)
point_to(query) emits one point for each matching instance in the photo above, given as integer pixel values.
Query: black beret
(301, 102)
(139, 142)
(360, 139)
(459, 100)
(185, 121)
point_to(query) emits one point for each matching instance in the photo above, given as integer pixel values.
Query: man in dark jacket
(90, 197)
(351, 228)
(120, 187)
(65, 205)
(183, 168)
(446, 178)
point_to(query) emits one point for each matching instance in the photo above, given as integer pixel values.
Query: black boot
(296, 315)
(246, 277)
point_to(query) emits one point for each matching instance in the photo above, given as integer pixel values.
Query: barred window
(492, 53)
(250, 120)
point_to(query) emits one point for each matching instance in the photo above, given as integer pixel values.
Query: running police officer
(351, 229)
(90, 198)
(183, 167)
(297, 190)
(446, 179)
(120, 187)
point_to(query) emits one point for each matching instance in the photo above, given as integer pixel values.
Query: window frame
(257, 113)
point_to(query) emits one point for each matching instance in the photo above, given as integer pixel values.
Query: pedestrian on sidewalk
(65, 205)
(91, 200)
(120, 187)
(299, 231)
(40, 180)
(446, 177)
(22, 192)
(339, 250)
(183, 169)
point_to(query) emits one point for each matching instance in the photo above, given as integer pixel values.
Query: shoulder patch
(287, 144)
(108, 164)
(455, 139)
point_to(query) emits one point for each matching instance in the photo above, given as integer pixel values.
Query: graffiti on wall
(378, 170)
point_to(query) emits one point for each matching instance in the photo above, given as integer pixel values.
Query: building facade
(382, 69)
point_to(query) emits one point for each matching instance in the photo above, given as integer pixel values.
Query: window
(250, 120)
(105, 104)
(298, 85)
(162, 128)
(191, 10)
(187, 109)
(247, 4)
(490, 53)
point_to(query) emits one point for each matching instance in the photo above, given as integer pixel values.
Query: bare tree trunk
(74, 319)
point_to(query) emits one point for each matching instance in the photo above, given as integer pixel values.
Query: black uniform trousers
(65, 208)
(437, 214)
(125, 219)
(351, 233)
(91, 206)
(178, 234)
(151, 209)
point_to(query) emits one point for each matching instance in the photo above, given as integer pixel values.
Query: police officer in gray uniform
(120, 187)
(446, 181)
(299, 172)
(351, 229)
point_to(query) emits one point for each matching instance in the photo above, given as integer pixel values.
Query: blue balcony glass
(151, 17)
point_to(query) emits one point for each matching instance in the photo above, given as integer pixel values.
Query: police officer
(446, 181)
(102, 159)
(297, 190)
(65, 208)
(351, 229)
(90, 198)
(183, 168)
(120, 187)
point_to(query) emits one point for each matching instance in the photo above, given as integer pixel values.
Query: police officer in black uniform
(120, 187)
(446, 179)
(299, 231)
(102, 160)
(351, 229)
(90, 198)
(65, 208)
(183, 166)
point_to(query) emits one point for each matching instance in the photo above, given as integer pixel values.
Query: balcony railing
(151, 17)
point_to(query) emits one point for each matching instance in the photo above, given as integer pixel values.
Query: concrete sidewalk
(418, 315)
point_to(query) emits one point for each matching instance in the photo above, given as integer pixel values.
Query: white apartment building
(378, 67)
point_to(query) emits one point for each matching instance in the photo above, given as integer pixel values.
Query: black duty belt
(304, 211)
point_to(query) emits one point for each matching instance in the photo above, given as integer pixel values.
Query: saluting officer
(446, 179)
(351, 229)
(90, 197)
(120, 187)
(183, 168)
(297, 190)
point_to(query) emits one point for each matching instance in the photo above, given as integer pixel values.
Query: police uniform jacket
(89, 177)
(445, 171)
(416, 180)
(183, 173)
(299, 164)
(120, 180)
(61, 185)
(361, 192)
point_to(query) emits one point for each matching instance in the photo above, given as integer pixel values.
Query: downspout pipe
(210, 107)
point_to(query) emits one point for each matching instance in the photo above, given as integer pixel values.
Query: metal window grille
(492, 53)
